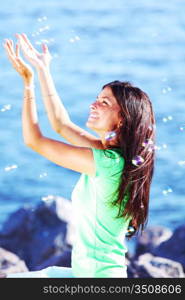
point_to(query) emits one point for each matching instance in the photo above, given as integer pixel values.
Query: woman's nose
(93, 105)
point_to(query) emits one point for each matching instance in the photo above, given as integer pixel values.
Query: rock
(43, 236)
(63, 260)
(151, 238)
(149, 266)
(36, 235)
(10, 263)
(174, 247)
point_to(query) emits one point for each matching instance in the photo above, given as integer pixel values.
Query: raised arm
(79, 159)
(57, 114)
(59, 117)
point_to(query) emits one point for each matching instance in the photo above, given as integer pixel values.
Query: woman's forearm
(30, 126)
(56, 111)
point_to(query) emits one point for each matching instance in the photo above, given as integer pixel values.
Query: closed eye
(103, 101)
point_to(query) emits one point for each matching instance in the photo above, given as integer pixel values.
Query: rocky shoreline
(33, 238)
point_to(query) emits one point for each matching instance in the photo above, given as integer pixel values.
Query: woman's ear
(120, 123)
(120, 118)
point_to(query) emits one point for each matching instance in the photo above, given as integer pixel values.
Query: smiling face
(104, 113)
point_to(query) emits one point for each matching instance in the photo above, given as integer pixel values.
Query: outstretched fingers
(9, 46)
(24, 47)
(10, 53)
(17, 62)
(28, 43)
(45, 48)
(17, 50)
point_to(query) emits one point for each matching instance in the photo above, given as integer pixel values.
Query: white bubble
(42, 19)
(164, 146)
(47, 27)
(77, 38)
(41, 29)
(6, 107)
(110, 135)
(48, 199)
(71, 40)
(43, 175)
(157, 147)
(167, 89)
(181, 162)
(9, 168)
(137, 160)
(168, 118)
(38, 43)
(165, 192)
(147, 142)
(150, 149)
(182, 128)
(165, 120)
(44, 41)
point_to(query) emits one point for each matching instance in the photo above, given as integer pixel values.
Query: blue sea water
(92, 43)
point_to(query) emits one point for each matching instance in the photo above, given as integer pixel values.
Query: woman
(117, 168)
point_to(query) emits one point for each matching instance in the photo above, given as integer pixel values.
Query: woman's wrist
(43, 68)
(28, 84)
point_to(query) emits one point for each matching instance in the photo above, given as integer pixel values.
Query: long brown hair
(136, 139)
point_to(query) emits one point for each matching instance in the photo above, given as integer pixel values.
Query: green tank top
(99, 248)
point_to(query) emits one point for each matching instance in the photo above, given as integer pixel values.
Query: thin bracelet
(29, 87)
(29, 98)
(49, 95)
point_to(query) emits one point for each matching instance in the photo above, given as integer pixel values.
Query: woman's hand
(19, 65)
(37, 59)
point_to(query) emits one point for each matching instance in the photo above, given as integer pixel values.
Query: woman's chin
(90, 124)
